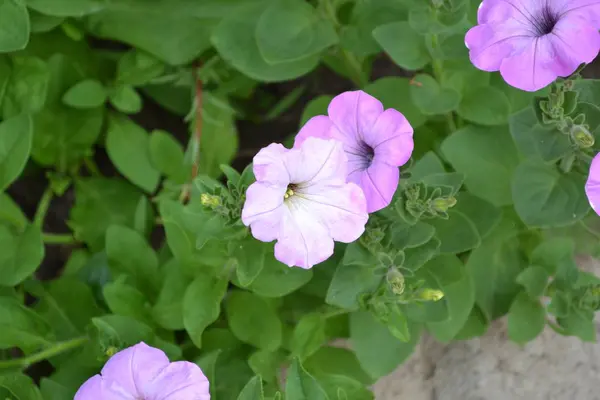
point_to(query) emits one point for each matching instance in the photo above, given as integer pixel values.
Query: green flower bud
(396, 281)
(582, 137)
(442, 204)
(431, 295)
(209, 200)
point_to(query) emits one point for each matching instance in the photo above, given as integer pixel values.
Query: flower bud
(396, 281)
(431, 294)
(209, 200)
(111, 351)
(442, 204)
(582, 137)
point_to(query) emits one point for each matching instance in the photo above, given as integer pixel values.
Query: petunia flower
(376, 143)
(301, 199)
(532, 42)
(592, 186)
(142, 372)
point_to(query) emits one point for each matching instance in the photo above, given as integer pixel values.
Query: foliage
(486, 221)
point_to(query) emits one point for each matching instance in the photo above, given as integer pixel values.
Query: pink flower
(532, 42)
(143, 372)
(592, 186)
(376, 142)
(301, 199)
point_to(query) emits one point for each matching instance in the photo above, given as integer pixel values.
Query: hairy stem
(437, 73)
(52, 351)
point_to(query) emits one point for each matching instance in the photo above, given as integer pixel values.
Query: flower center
(367, 152)
(290, 191)
(545, 22)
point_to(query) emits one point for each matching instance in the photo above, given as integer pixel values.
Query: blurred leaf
(65, 8)
(166, 155)
(343, 387)
(168, 308)
(19, 385)
(308, 335)
(23, 252)
(27, 85)
(202, 304)
(410, 53)
(457, 233)
(526, 318)
(123, 299)
(386, 90)
(534, 279)
(253, 320)
(300, 385)
(253, 390)
(128, 146)
(16, 137)
(126, 99)
(14, 25)
(21, 327)
(137, 67)
(336, 361)
(485, 106)
(88, 93)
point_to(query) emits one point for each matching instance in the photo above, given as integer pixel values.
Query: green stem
(438, 70)
(92, 167)
(56, 238)
(42, 209)
(56, 349)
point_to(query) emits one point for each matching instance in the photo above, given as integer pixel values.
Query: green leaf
(68, 305)
(534, 279)
(581, 324)
(308, 336)
(128, 146)
(410, 53)
(126, 99)
(343, 387)
(130, 255)
(432, 99)
(123, 299)
(253, 320)
(290, 30)
(300, 385)
(485, 106)
(551, 144)
(267, 364)
(253, 390)
(250, 256)
(387, 89)
(277, 279)
(52, 390)
(526, 318)
(64, 135)
(101, 202)
(65, 8)
(202, 304)
(18, 385)
(520, 125)
(316, 106)
(457, 233)
(26, 87)
(219, 136)
(234, 39)
(137, 67)
(481, 213)
(88, 93)
(487, 157)
(16, 136)
(14, 25)
(552, 252)
(166, 155)
(378, 351)
(544, 197)
(10, 212)
(168, 308)
(476, 325)
(336, 361)
(23, 252)
(174, 36)
(21, 327)
(121, 331)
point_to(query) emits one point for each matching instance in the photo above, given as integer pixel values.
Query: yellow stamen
(288, 193)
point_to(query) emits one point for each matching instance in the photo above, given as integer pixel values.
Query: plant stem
(196, 136)
(42, 209)
(56, 349)
(91, 167)
(56, 238)
(438, 70)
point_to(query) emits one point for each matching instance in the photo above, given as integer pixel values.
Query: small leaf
(202, 304)
(126, 99)
(167, 156)
(23, 252)
(128, 146)
(86, 94)
(18, 385)
(16, 136)
(308, 336)
(526, 318)
(485, 106)
(253, 390)
(457, 233)
(168, 308)
(21, 327)
(534, 279)
(432, 99)
(14, 25)
(300, 385)
(253, 320)
(410, 52)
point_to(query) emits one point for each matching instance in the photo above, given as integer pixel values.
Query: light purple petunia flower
(142, 372)
(532, 42)
(592, 186)
(376, 142)
(301, 199)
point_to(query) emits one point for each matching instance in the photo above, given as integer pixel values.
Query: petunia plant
(278, 199)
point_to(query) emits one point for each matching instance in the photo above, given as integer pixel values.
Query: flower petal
(532, 68)
(180, 380)
(92, 390)
(268, 165)
(391, 138)
(379, 183)
(343, 210)
(317, 160)
(592, 186)
(303, 240)
(488, 45)
(575, 42)
(319, 126)
(587, 8)
(129, 369)
(354, 113)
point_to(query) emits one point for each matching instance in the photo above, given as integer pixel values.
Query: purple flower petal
(354, 112)
(91, 389)
(391, 138)
(379, 183)
(592, 186)
(180, 380)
